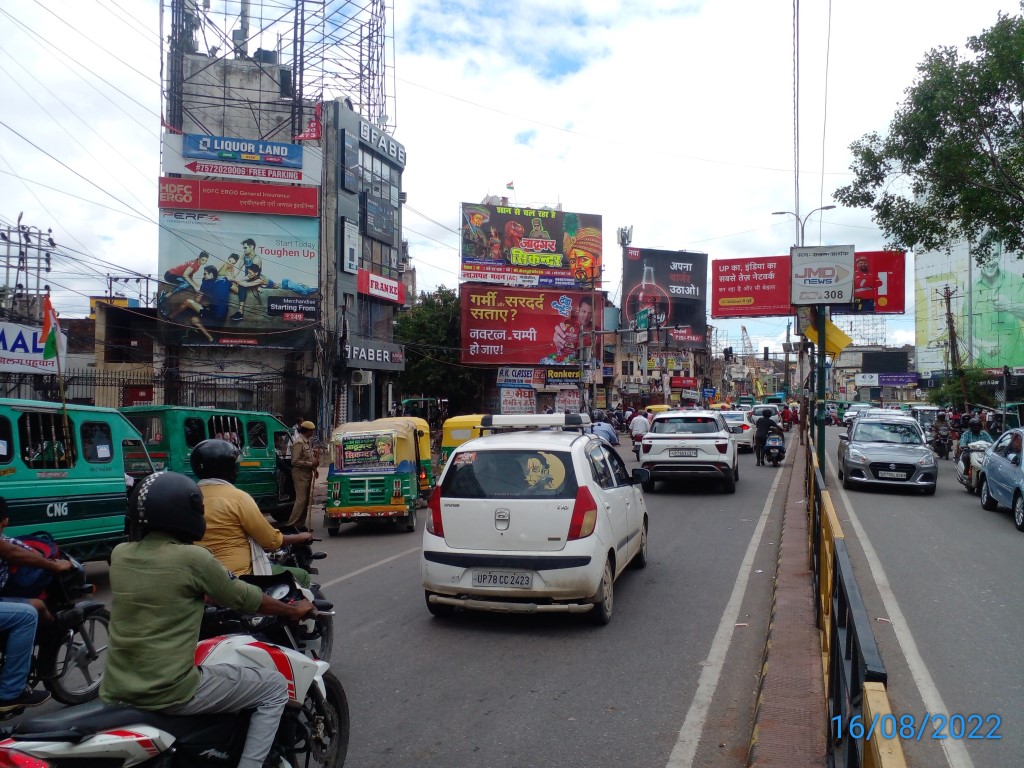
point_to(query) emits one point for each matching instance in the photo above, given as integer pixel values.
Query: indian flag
(51, 330)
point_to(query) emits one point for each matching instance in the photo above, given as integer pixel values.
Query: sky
(673, 117)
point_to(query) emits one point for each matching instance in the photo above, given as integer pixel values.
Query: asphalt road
(670, 682)
(944, 591)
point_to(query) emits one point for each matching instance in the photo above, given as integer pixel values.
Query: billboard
(933, 272)
(235, 150)
(237, 197)
(237, 279)
(21, 350)
(173, 160)
(757, 287)
(822, 274)
(530, 248)
(879, 284)
(673, 286)
(993, 311)
(526, 326)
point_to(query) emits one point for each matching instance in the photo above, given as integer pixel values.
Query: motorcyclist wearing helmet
(973, 433)
(159, 582)
(232, 515)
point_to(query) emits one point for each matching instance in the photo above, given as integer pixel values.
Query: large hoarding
(261, 290)
(933, 273)
(530, 247)
(879, 284)
(525, 326)
(673, 286)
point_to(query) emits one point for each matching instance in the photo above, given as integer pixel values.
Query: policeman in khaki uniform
(305, 460)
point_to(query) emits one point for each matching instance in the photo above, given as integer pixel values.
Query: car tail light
(722, 447)
(11, 759)
(645, 447)
(584, 515)
(745, 427)
(434, 524)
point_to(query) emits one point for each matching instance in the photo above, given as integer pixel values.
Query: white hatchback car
(534, 521)
(744, 420)
(684, 444)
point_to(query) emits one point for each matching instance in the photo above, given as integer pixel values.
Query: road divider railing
(854, 674)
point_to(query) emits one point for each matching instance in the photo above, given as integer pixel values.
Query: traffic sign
(642, 320)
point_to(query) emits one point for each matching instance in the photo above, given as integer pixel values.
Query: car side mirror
(843, 437)
(1014, 459)
(736, 430)
(641, 475)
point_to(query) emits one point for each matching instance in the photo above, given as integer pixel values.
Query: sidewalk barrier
(855, 677)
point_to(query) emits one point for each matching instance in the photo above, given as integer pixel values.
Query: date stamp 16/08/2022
(916, 728)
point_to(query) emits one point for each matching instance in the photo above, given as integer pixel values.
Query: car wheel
(736, 473)
(1018, 512)
(335, 531)
(410, 522)
(601, 613)
(437, 609)
(729, 484)
(648, 486)
(640, 559)
(929, 491)
(847, 484)
(987, 502)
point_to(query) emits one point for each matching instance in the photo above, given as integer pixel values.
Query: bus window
(6, 442)
(97, 443)
(195, 433)
(46, 444)
(256, 434)
(227, 428)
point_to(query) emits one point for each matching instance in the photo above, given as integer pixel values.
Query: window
(227, 428)
(45, 443)
(195, 432)
(510, 475)
(151, 428)
(256, 434)
(6, 442)
(619, 471)
(97, 442)
(602, 474)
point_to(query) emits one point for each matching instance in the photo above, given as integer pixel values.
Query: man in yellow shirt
(232, 516)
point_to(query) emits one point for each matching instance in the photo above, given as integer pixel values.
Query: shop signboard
(671, 286)
(530, 247)
(516, 400)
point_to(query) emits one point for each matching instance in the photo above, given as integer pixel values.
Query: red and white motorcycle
(314, 728)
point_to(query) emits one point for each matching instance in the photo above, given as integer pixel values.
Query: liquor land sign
(822, 275)
(235, 150)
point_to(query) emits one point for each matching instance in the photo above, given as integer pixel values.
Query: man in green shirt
(158, 585)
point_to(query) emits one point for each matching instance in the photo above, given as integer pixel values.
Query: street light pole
(822, 313)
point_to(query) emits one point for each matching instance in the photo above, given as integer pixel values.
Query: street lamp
(822, 311)
(802, 222)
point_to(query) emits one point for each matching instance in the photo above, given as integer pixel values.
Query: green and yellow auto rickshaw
(455, 431)
(423, 460)
(374, 474)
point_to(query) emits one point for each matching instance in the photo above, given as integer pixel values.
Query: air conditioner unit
(362, 378)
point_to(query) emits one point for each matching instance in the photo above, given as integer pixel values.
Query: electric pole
(947, 295)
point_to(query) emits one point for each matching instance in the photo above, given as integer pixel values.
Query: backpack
(29, 580)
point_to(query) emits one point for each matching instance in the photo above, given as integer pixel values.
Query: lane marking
(955, 751)
(369, 567)
(685, 748)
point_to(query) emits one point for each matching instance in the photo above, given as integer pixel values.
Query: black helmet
(168, 502)
(767, 413)
(216, 459)
(974, 424)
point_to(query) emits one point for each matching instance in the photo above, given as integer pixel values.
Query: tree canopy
(951, 168)
(432, 334)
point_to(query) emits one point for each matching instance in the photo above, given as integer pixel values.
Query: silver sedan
(887, 452)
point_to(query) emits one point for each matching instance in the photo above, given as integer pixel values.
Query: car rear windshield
(510, 474)
(903, 433)
(686, 425)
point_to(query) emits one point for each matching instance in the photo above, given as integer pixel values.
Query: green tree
(432, 334)
(952, 391)
(952, 166)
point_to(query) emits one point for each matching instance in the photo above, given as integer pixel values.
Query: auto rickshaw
(376, 473)
(925, 415)
(457, 430)
(423, 461)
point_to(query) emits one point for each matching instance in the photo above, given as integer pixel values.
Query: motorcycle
(942, 442)
(314, 728)
(321, 640)
(775, 449)
(969, 478)
(68, 654)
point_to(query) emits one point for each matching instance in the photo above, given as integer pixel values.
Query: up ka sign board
(822, 275)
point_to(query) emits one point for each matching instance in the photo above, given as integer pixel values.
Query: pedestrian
(305, 460)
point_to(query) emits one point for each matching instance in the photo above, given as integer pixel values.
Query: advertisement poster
(516, 401)
(567, 401)
(368, 452)
(237, 279)
(509, 326)
(530, 248)
(672, 285)
(21, 350)
(238, 197)
(822, 275)
(879, 284)
(757, 287)
(934, 272)
(995, 311)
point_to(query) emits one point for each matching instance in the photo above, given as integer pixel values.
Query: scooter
(775, 449)
(314, 727)
(969, 479)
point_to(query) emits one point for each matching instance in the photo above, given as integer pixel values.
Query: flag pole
(60, 386)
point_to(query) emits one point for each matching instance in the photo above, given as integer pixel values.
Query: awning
(835, 340)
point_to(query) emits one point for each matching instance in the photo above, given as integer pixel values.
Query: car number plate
(893, 475)
(515, 579)
(683, 453)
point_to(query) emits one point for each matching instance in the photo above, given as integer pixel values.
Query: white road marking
(956, 752)
(369, 567)
(689, 735)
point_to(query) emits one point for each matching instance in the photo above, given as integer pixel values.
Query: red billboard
(758, 287)
(237, 197)
(527, 326)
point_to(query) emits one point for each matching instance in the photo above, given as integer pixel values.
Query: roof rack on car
(572, 421)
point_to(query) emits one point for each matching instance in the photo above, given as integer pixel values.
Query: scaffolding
(865, 330)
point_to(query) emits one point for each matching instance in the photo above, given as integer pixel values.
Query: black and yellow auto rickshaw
(376, 473)
(455, 431)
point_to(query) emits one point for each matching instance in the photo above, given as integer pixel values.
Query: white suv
(534, 521)
(691, 444)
